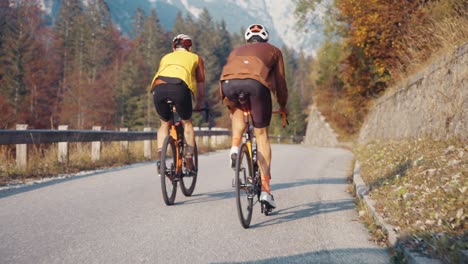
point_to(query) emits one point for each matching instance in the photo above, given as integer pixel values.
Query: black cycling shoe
(190, 173)
(233, 160)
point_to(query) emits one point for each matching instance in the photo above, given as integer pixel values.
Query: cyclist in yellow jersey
(180, 77)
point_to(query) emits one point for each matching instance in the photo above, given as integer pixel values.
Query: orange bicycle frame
(173, 134)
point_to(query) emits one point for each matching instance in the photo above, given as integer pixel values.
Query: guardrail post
(124, 144)
(21, 150)
(205, 139)
(214, 139)
(63, 153)
(147, 145)
(219, 139)
(197, 139)
(96, 147)
(227, 138)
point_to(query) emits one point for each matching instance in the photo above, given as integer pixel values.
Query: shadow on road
(337, 256)
(209, 197)
(305, 182)
(306, 210)
(230, 193)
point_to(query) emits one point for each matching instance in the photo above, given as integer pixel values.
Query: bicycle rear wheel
(168, 170)
(245, 190)
(188, 182)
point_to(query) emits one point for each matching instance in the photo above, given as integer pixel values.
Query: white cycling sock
(234, 149)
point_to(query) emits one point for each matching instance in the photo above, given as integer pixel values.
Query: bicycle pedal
(158, 167)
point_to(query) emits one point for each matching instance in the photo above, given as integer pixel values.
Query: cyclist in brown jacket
(258, 69)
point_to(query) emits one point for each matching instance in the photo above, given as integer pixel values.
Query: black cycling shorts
(179, 93)
(260, 99)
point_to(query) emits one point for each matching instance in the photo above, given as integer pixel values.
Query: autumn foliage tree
(27, 74)
(371, 44)
(375, 29)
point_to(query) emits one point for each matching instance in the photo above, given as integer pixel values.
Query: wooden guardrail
(22, 137)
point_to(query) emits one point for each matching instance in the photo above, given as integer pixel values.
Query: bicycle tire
(168, 171)
(244, 189)
(187, 184)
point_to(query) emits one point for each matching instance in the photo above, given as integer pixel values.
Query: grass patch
(420, 186)
(376, 232)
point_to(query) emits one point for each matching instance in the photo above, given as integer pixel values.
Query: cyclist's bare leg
(189, 136)
(264, 156)
(163, 131)
(238, 127)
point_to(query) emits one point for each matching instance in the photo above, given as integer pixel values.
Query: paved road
(119, 217)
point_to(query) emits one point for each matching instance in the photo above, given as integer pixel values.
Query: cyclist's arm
(200, 77)
(281, 87)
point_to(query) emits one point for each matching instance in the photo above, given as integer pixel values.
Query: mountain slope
(276, 15)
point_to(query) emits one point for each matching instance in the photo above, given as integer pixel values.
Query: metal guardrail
(23, 137)
(39, 136)
(289, 139)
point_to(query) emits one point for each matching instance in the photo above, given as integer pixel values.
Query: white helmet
(182, 40)
(256, 30)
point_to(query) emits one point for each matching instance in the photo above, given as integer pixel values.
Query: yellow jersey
(181, 64)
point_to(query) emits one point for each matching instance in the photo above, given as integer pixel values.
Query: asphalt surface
(118, 216)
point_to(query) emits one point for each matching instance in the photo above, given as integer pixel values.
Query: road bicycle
(247, 179)
(172, 162)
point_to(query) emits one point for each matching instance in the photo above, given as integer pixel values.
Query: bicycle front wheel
(168, 170)
(188, 182)
(245, 190)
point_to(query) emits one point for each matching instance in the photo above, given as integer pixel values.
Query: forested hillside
(82, 71)
(371, 45)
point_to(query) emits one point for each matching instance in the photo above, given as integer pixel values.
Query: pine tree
(179, 25)
(65, 27)
(134, 102)
(20, 53)
(186, 26)
(98, 55)
(100, 44)
(4, 12)
(138, 22)
(87, 47)
(222, 48)
(7, 117)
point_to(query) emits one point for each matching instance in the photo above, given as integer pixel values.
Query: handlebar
(284, 117)
(206, 110)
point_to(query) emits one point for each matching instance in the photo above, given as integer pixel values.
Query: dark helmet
(257, 33)
(182, 40)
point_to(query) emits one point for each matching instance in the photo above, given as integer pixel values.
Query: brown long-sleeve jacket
(262, 62)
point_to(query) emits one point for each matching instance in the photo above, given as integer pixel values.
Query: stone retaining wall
(318, 132)
(433, 102)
